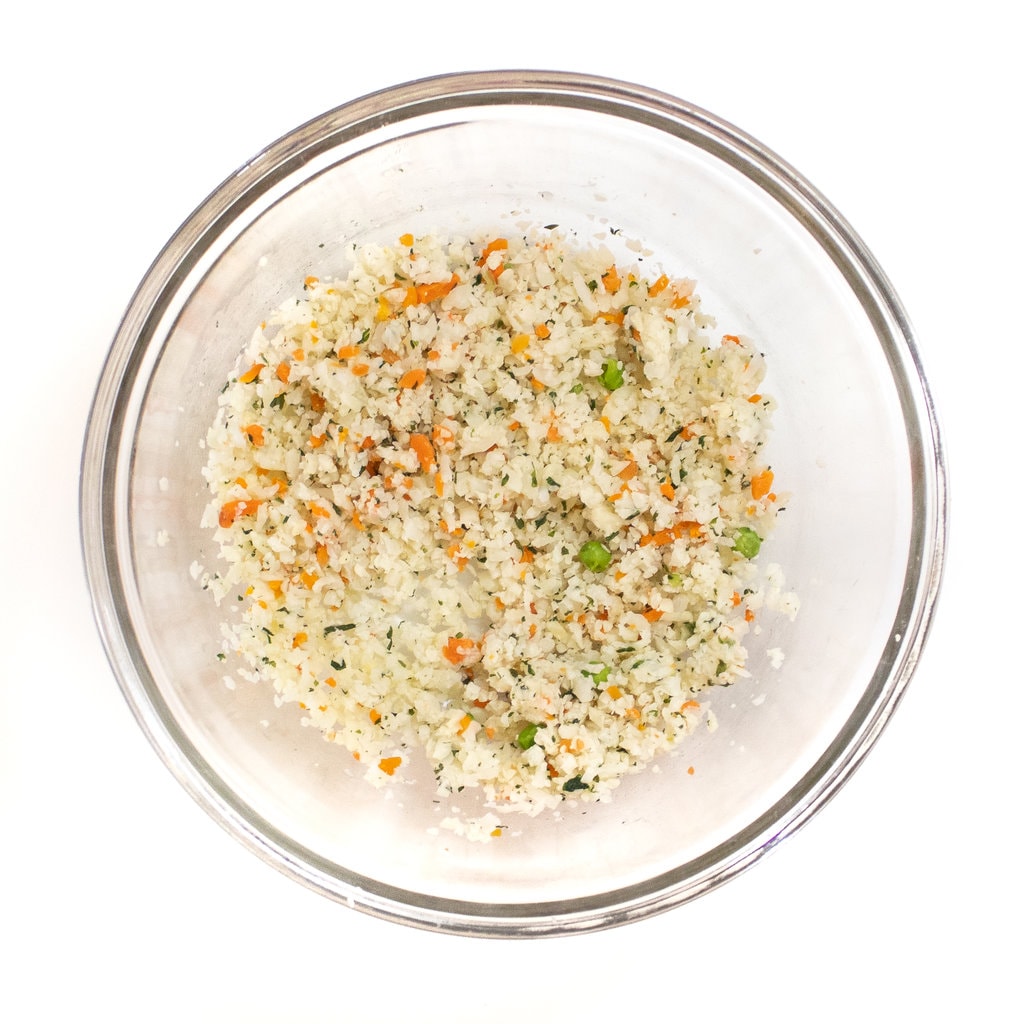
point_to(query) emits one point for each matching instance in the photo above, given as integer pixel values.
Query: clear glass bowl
(855, 442)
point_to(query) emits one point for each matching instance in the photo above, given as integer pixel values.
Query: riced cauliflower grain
(496, 503)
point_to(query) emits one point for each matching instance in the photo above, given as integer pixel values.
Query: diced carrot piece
(424, 450)
(438, 290)
(761, 483)
(347, 351)
(542, 331)
(406, 239)
(659, 286)
(611, 279)
(254, 434)
(232, 510)
(388, 764)
(413, 378)
(283, 372)
(251, 374)
(520, 343)
(457, 649)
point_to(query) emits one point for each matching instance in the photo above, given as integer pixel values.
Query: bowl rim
(101, 518)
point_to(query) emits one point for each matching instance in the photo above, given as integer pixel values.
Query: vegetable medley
(499, 503)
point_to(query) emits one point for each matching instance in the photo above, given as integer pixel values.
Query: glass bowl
(855, 440)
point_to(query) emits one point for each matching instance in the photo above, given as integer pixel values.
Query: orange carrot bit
(659, 539)
(514, 425)
(331, 682)
(424, 450)
(687, 705)
(498, 271)
(730, 339)
(322, 555)
(614, 692)
(388, 764)
(748, 616)
(390, 356)
(659, 286)
(355, 754)
(520, 343)
(316, 440)
(653, 615)
(254, 434)
(527, 555)
(383, 309)
(611, 279)
(538, 385)
(410, 298)
(457, 649)
(553, 435)
(413, 378)
(283, 372)
(298, 355)
(496, 832)
(359, 369)
(680, 301)
(437, 290)
(606, 423)
(357, 522)
(735, 599)
(761, 484)
(690, 770)
(299, 639)
(433, 355)
(251, 374)
(499, 604)
(317, 402)
(310, 281)
(242, 482)
(667, 490)
(754, 399)
(629, 472)
(406, 239)
(612, 316)
(275, 587)
(347, 351)
(499, 244)
(542, 331)
(571, 746)
(460, 560)
(232, 510)
(308, 579)
(438, 485)
(464, 723)
(375, 715)
(442, 435)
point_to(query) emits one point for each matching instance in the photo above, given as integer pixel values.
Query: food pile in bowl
(497, 503)
(580, 503)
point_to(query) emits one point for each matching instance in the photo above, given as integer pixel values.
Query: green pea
(747, 542)
(595, 556)
(527, 735)
(611, 374)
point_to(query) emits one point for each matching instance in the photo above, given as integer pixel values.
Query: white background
(902, 900)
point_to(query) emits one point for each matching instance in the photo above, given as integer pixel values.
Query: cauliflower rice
(500, 502)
